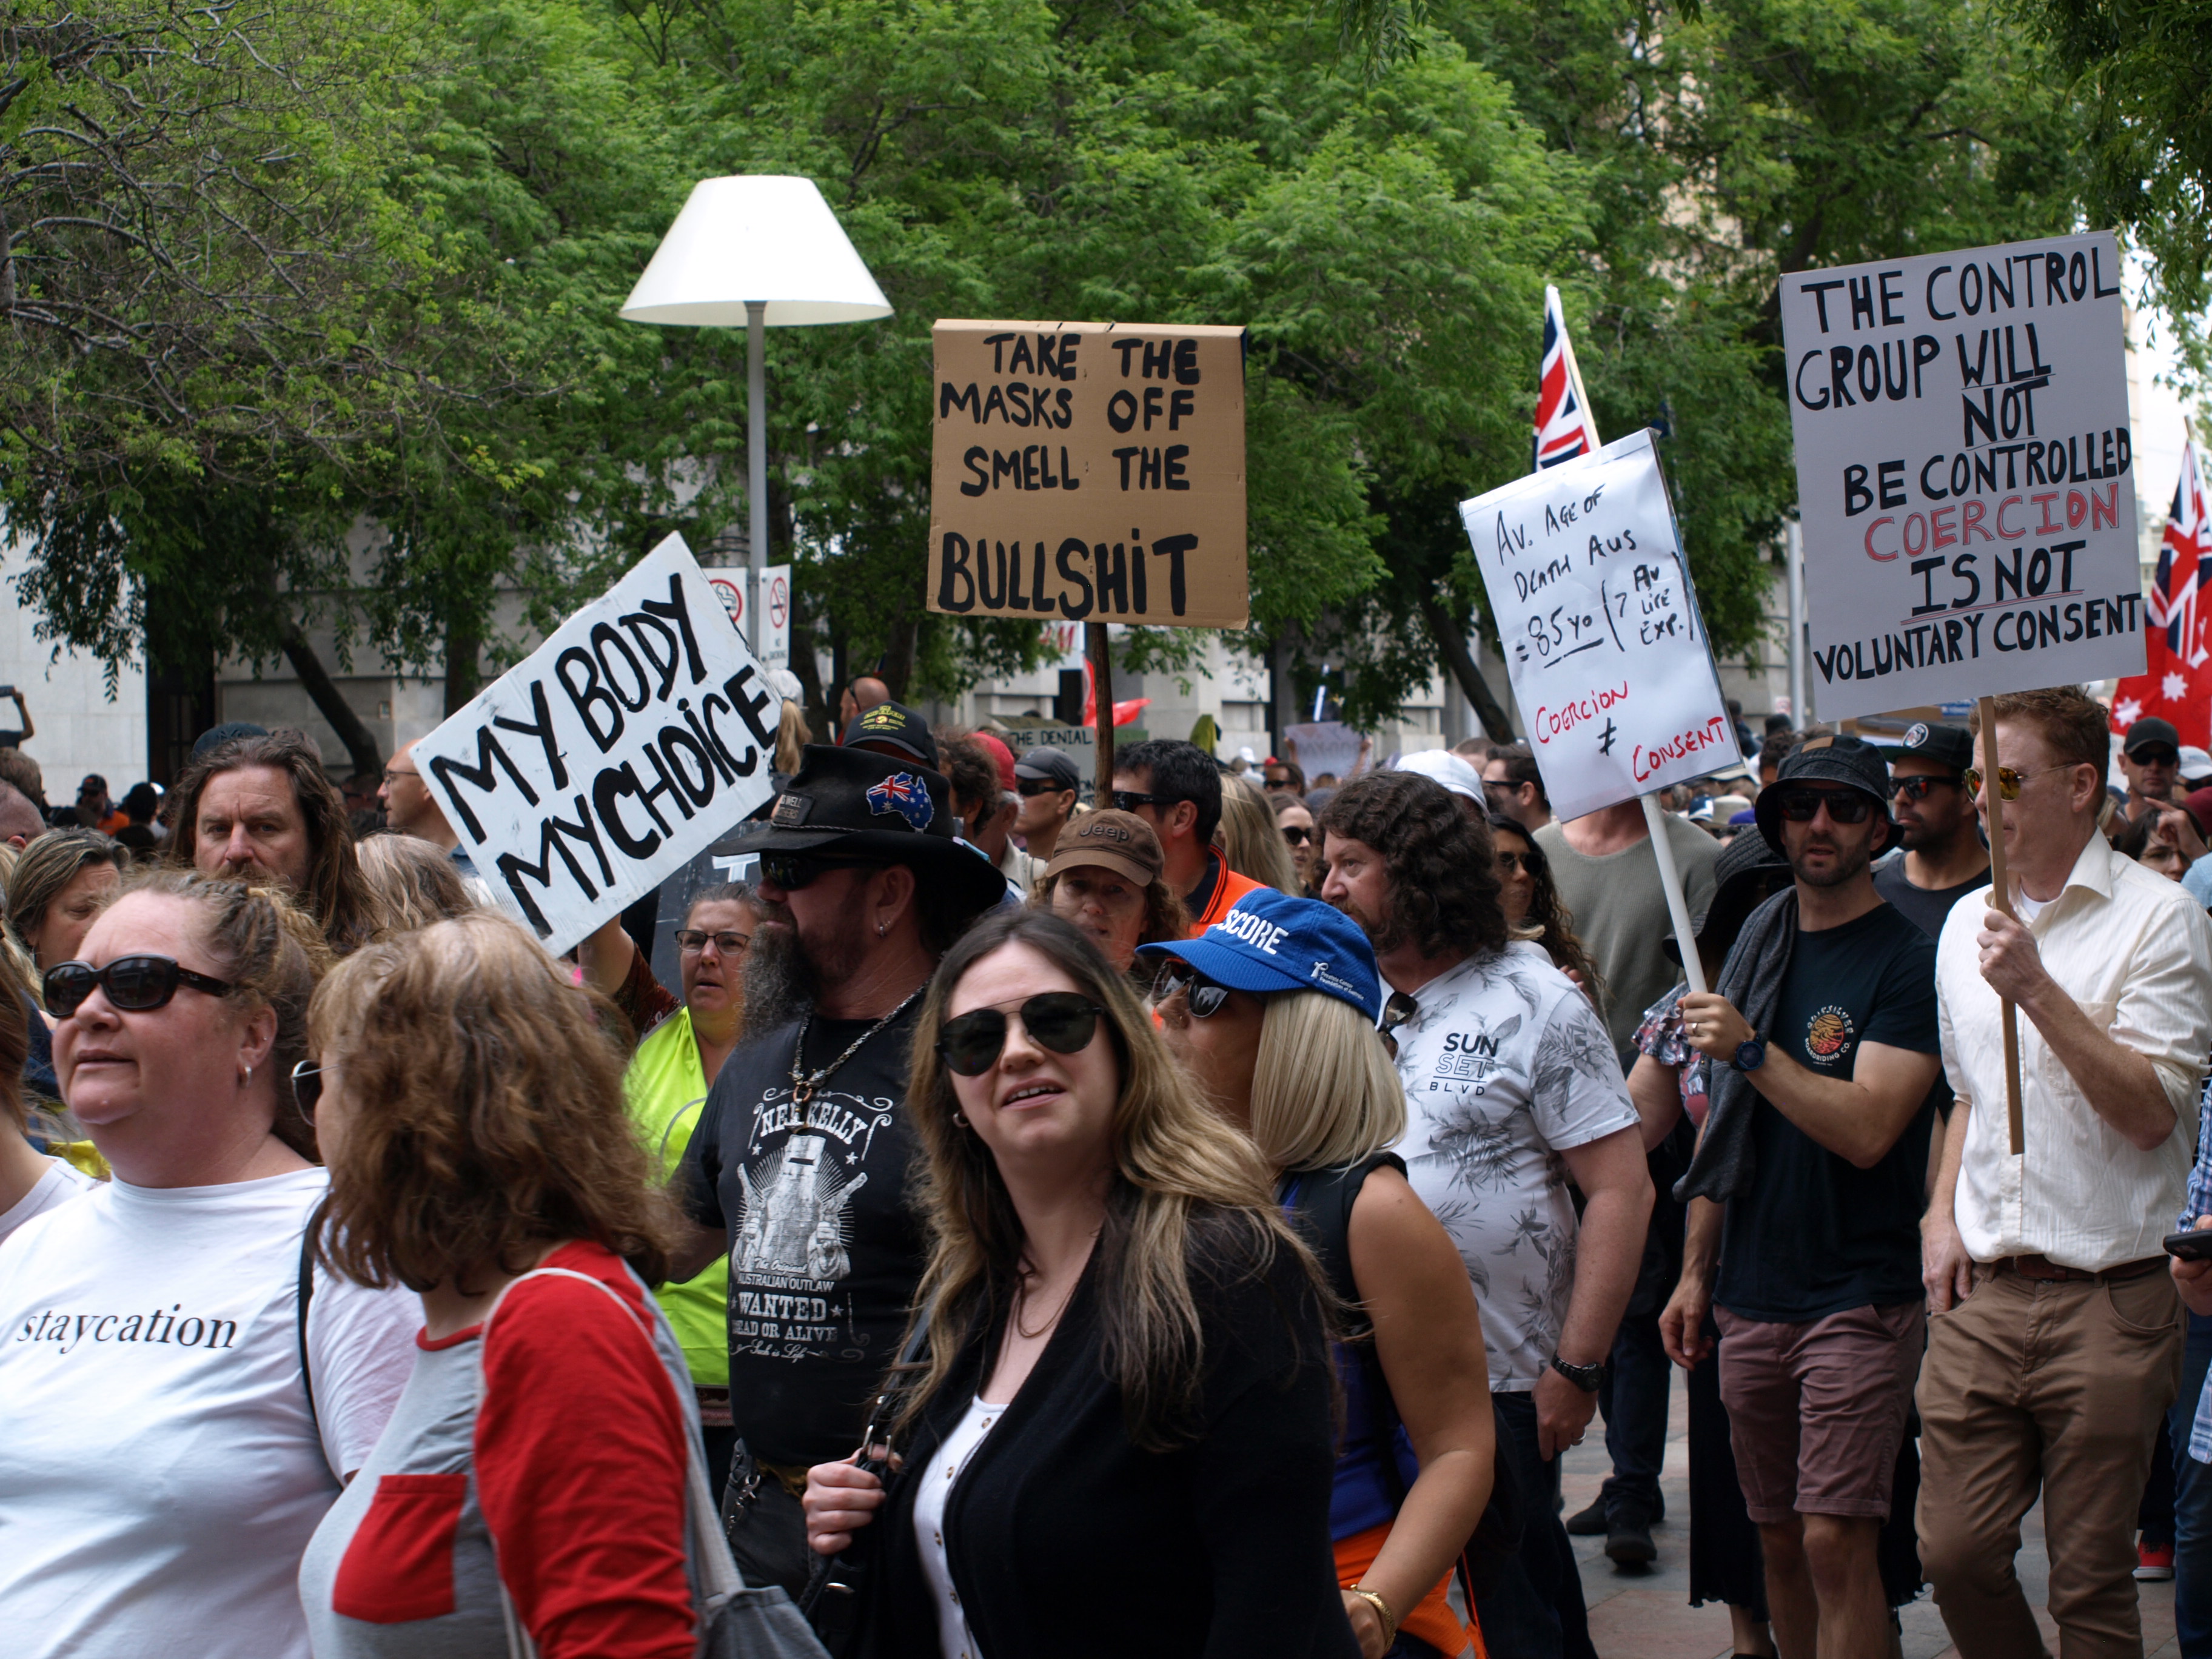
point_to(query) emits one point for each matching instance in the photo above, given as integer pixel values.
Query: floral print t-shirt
(1505, 1064)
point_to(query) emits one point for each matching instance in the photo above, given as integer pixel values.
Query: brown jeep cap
(1120, 842)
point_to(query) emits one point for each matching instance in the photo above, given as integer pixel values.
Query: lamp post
(762, 251)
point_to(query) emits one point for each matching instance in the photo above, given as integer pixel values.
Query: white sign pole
(1678, 907)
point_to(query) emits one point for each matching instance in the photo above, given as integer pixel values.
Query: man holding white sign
(612, 756)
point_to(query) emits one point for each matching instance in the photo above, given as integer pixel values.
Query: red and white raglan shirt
(554, 1462)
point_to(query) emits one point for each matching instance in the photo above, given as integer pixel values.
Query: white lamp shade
(755, 237)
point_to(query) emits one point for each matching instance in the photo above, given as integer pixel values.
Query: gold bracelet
(1373, 1599)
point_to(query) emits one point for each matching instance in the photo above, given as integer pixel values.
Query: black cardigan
(1067, 1541)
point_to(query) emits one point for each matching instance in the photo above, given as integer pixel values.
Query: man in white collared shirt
(2054, 1336)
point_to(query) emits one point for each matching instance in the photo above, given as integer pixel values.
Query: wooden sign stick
(2001, 899)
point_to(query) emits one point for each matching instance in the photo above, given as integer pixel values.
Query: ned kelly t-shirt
(161, 1472)
(1506, 1065)
(825, 1250)
(1816, 1235)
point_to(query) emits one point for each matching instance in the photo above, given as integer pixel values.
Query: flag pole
(2000, 900)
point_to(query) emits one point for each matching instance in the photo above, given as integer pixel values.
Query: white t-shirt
(160, 1473)
(954, 1639)
(1504, 1064)
(61, 1181)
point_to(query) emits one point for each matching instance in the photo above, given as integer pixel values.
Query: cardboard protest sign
(641, 731)
(1078, 742)
(1964, 472)
(1089, 471)
(1600, 628)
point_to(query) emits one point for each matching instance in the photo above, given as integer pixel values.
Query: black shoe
(1628, 1541)
(1589, 1524)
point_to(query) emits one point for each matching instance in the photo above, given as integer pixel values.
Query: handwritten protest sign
(1601, 629)
(1089, 471)
(641, 731)
(1964, 472)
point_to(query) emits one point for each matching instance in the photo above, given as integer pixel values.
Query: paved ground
(1646, 1615)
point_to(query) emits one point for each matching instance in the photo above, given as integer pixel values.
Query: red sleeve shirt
(582, 1462)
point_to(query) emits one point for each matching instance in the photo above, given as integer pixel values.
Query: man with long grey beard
(797, 1169)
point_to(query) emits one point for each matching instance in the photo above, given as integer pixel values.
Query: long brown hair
(1553, 922)
(336, 894)
(1251, 841)
(1189, 1197)
(487, 1115)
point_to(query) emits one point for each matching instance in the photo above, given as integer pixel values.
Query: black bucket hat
(856, 803)
(1828, 760)
(1744, 876)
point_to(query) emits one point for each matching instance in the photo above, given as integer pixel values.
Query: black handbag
(833, 1599)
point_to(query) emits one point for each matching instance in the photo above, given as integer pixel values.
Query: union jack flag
(905, 794)
(2176, 684)
(1564, 427)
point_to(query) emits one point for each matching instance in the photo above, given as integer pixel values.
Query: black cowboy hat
(856, 803)
(1747, 872)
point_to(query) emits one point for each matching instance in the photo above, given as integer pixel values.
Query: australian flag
(2176, 684)
(1564, 427)
(905, 794)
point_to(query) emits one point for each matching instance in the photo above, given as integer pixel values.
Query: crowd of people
(1194, 1221)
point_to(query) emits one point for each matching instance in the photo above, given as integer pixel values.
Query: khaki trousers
(2031, 1384)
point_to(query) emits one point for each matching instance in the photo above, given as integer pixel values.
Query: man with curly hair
(1511, 1086)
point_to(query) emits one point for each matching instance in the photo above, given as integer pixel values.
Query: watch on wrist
(1750, 1055)
(1585, 1377)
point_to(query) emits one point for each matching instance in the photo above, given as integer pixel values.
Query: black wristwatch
(1585, 1377)
(1750, 1055)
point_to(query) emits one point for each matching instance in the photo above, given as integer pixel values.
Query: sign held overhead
(639, 733)
(1600, 628)
(1089, 472)
(1964, 472)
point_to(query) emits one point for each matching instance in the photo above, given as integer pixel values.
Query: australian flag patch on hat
(905, 794)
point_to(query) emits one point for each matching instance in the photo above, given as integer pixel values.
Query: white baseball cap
(1447, 768)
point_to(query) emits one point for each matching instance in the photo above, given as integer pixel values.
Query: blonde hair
(1249, 840)
(791, 736)
(411, 883)
(487, 1117)
(1324, 1093)
(1189, 1196)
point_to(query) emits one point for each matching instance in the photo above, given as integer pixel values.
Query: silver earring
(247, 1082)
(958, 1121)
(880, 930)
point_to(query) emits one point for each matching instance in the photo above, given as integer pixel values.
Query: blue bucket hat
(1271, 942)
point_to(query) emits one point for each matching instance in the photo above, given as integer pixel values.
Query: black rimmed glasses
(1062, 1021)
(692, 942)
(1205, 996)
(133, 984)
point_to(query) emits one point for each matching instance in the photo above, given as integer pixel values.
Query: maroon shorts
(1816, 1411)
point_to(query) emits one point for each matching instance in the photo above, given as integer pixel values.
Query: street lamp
(765, 251)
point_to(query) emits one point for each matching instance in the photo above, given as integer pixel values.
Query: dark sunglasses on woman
(1206, 995)
(1297, 833)
(1062, 1021)
(133, 984)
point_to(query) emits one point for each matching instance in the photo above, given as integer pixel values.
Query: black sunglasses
(133, 984)
(1207, 997)
(1844, 805)
(1396, 1012)
(2156, 755)
(307, 1087)
(1062, 1021)
(1917, 788)
(792, 870)
(1038, 787)
(1297, 833)
(1128, 800)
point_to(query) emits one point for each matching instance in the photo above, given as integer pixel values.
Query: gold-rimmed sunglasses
(2008, 782)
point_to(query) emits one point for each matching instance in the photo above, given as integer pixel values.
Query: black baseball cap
(1847, 760)
(2148, 731)
(893, 729)
(1053, 766)
(1946, 745)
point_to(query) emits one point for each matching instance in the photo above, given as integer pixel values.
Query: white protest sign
(639, 733)
(1964, 472)
(1600, 628)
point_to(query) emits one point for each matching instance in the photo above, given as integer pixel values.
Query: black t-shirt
(1925, 908)
(1816, 1235)
(825, 1250)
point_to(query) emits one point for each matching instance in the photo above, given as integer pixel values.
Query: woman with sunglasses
(1104, 879)
(1273, 1009)
(1530, 900)
(1294, 822)
(185, 1394)
(537, 1467)
(1116, 1439)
